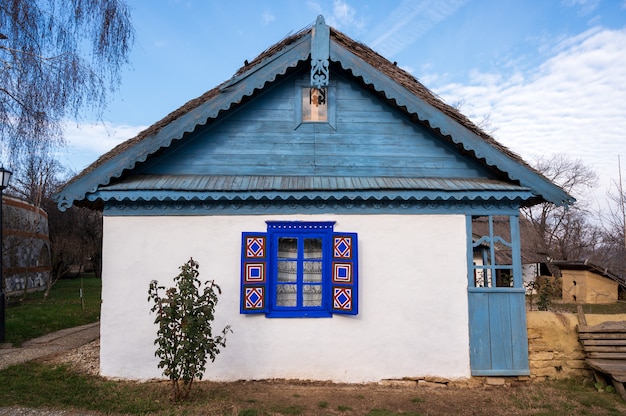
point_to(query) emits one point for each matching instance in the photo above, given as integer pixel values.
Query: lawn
(51, 384)
(59, 387)
(34, 316)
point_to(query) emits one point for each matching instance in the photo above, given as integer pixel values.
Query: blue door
(496, 297)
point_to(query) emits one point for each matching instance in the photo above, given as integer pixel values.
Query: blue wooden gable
(387, 138)
(369, 139)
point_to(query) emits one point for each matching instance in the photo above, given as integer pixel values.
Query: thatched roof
(366, 54)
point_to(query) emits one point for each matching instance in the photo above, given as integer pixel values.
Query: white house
(331, 196)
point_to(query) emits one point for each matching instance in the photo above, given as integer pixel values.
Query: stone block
(495, 381)
(541, 356)
(433, 379)
(471, 383)
(430, 384)
(543, 364)
(399, 383)
(545, 372)
(577, 364)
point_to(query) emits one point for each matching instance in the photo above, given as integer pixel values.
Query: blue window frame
(299, 269)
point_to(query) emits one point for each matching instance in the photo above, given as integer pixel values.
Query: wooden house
(331, 196)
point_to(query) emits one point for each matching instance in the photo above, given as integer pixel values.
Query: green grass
(59, 387)
(35, 316)
(599, 308)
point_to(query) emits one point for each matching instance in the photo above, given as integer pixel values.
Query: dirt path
(53, 343)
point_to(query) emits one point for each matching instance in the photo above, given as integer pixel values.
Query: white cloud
(87, 142)
(572, 104)
(345, 15)
(268, 17)
(342, 16)
(408, 22)
(584, 6)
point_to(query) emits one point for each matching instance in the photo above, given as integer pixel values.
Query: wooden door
(496, 297)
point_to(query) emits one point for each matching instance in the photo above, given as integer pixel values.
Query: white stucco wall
(413, 314)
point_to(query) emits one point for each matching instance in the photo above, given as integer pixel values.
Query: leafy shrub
(184, 338)
(543, 290)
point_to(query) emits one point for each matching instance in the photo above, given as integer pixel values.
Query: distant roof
(345, 52)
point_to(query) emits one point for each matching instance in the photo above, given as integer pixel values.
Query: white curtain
(287, 285)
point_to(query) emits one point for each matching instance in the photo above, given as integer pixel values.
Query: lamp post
(5, 176)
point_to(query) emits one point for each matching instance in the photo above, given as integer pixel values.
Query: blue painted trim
(156, 196)
(500, 373)
(230, 94)
(352, 262)
(320, 45)
(299, 314)
(496, 289)
(291, 206)
(256, 78)
(300, 230)
(258, 261)
(497, 315)
(516, 252)
(448, 126)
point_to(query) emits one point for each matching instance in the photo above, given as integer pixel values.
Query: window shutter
(254, 280)
(344, 282)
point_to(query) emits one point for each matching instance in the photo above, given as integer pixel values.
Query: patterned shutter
(254, 281)
(344, 284)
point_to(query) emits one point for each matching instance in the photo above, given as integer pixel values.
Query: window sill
(299, 314)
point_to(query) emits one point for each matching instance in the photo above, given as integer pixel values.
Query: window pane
(504, 278)
(313, 248)
(287, 248)
(286, 295)
(482, 277)
(312, 271)
(314, 104)
(504, 252)
(312, 295)
(287, 271)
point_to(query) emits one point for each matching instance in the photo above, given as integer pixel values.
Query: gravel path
(53, 343)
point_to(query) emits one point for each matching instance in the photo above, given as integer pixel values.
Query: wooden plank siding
(261, 138)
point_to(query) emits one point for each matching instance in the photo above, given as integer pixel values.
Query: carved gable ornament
(320, 54)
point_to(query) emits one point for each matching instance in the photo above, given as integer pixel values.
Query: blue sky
(542, 76)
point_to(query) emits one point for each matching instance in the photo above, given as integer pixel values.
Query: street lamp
(5, 176)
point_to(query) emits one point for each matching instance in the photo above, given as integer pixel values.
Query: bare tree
(36, 174)
(57, 57)
(75, 239)
(564, 233)
(614, 229)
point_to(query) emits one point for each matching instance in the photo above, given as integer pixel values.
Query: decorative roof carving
(400, 88)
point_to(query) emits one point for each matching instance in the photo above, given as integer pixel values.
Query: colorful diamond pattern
(253, 298)
(254, 273)
(342, 298)
(342, 247)
(342, 273)
(255, 247)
